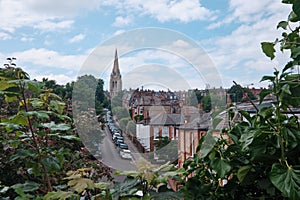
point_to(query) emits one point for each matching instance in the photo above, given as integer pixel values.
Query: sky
(175, 44)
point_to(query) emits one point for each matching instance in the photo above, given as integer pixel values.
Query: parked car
(118, 141)
(122, 146)
(125, 154)
(115, 135)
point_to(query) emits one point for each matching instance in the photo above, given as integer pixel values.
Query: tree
(131, 128)
(237, 95)
(206, 102)
(101, 99)
(195, 98)
(117, 100)
(120, 112)
(123, 123)
(36, 141)
(32, 132)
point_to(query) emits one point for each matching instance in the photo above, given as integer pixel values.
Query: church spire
(115, 78)
(116, 69)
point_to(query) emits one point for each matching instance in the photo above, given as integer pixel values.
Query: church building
(115, 85)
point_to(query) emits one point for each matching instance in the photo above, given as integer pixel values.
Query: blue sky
(56, 39)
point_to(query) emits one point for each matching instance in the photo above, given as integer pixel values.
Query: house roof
(167, 119)
(197, 122)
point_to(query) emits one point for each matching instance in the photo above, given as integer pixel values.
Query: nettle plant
(257, 157)
(31, 137)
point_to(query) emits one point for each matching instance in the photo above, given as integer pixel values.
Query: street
(111, 157)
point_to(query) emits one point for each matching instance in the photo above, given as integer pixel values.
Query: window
(156, 132)
(165, 131)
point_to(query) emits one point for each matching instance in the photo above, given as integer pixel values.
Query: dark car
(122, 146)
(117, 138)
(119, 141)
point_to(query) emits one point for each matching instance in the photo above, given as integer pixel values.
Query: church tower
(115, 85)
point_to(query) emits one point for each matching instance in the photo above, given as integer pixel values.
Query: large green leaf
(4, 85)
(34, 86)
(268, 49)
(22, 154)
(221, 166)
(69, 137)
(242, 172)
(9, 126)
(80, 184)
(38, 114)
(267, 78)
(295, 52)
(293, 135)
(282, 24)
(57, 106)
(247, 139)
(128, 187)
(266, 112)
(208, 144)
(287, 180)
(19, 119)
(52, 164)
(28, 186)
(61, 195)
(56, 127)
(216, 122)
(263, 94)
(296, 7)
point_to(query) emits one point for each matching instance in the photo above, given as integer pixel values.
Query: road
(111, 157)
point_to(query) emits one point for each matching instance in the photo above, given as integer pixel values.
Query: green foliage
(148, 180)
(120, 112)
(117, 100)
(268, 47)
(206, 103)
(258, 157)
(36, 140)
(236, 93)
(286, 179)
(80, 183)
(29, 132)
(195, 97)
(123, 123)
(138, 118)
(130, 128)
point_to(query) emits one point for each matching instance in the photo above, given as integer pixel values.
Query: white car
(116, 135)
(125, 154)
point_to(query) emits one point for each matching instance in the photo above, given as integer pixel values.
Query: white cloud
(45, 15)
(118, 32)
(122, 21)
(248, 12)
(26, 39)
(54, 26)
(4, 36)
(167, 10)
(48, 58)
(55, 15)
(77, 38)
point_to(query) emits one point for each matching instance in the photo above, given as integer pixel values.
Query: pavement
(136, 155)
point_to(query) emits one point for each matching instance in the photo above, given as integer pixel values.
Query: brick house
(189, 135)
